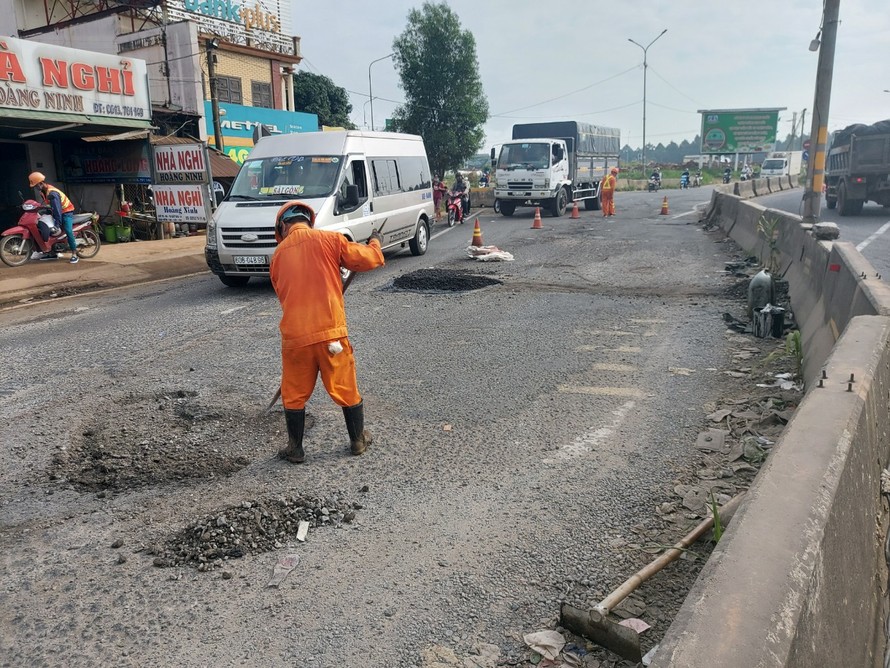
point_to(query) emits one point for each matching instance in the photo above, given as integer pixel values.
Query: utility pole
(212, 45)
(793, 130)
(645, 67)
(812, 198)
(803, 124)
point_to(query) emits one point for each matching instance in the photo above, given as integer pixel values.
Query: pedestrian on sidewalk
(305, 272)
(62, 209)
(607, 192)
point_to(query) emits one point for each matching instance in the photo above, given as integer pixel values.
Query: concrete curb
(797, 580)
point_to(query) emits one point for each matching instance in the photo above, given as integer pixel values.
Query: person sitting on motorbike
(656, 176)
(460, 186)
(62, 209)
(684, 178)
(727, 174)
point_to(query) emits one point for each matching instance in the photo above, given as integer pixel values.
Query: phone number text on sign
(118, 110)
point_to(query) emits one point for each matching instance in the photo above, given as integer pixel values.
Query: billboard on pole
(739, 130)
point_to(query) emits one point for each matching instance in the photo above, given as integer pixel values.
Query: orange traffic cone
(477, 234)
(537, 224)
(575, 213)
(664, 206)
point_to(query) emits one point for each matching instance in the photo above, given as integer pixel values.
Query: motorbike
(654, 184)
(726, 177)
(19, 243)
(696, 180)
(684, 181)
(455, 208)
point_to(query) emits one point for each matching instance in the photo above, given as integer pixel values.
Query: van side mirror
(351, 195)
(492, 155)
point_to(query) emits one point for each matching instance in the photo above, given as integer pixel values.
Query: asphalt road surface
(524, 434)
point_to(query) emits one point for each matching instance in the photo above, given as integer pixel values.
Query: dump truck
(858, 168)
(551, 165)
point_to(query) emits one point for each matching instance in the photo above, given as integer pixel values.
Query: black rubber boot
(359, 439)
(296, 421)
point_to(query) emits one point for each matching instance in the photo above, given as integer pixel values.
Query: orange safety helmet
(35, 178)
(294, 211)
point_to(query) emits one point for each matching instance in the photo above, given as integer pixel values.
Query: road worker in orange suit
(305, 272)
(607, 192)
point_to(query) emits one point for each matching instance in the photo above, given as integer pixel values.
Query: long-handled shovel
(595, 624)
(345, 285)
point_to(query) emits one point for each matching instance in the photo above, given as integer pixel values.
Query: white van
(355, 181)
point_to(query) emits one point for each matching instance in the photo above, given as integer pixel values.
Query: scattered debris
(302, 530)
(546, 643)
(636, 624)
(282, 569)
(489, 253)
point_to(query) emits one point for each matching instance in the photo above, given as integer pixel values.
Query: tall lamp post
(645, 67)
(370, 92)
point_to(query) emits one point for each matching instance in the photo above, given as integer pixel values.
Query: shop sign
(181, 204)
(238, 122)
(107, 162)
(181, 163)
(57, 79)
(238, 22)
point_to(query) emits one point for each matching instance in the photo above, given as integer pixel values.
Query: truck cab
(535, 170)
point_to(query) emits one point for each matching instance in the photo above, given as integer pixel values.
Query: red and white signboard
(181, 163)
(44, 78)
(181, 204)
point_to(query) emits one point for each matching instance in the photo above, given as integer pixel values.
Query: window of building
(261, 94)
(228, 89)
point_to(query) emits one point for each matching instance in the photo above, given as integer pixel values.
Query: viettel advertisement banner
(237, 123)
(739, 131)
(43, 80)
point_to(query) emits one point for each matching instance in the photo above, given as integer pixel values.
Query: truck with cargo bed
(858, 168)
(554, 164)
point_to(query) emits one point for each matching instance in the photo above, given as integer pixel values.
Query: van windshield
(290, 176)
(524, 156)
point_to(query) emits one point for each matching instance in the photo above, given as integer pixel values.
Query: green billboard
(739, 130)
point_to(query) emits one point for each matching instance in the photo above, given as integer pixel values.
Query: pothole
(252, 527)
(143, 440)
(443, 280)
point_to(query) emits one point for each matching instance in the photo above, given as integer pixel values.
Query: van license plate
(251, 259)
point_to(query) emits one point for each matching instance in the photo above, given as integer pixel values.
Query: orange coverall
(607, 194)
(305, 272)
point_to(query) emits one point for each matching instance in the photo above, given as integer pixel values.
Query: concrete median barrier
(798, 578)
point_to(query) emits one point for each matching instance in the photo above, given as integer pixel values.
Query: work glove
(376, 235)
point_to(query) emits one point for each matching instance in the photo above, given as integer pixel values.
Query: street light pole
(370, 92)
(645, 67)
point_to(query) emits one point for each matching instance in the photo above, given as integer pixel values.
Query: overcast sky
(571, 59)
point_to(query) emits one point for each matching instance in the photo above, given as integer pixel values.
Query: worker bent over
(305, 272)
(607, 192)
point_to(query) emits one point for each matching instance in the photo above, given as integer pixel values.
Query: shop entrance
(13, 178)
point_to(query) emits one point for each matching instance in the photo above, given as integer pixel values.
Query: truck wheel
(845, 205)
(559, 203)
(507, 208)
(592, 204)
(497, 206)
(234, 281)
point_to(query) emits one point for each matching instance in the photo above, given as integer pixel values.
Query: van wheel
(234, 281)
(421, 238)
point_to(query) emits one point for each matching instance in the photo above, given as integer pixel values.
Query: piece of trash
(713, 440)
(489, 253)
(546, 643)
(282, 569)
(302, 530)
(635, 623)
(648, 656)
(447, 427)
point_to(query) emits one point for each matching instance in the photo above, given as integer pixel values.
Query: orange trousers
(608, 202)
(300, 366)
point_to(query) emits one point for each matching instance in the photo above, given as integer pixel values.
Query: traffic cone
(537, 224)
(575, 213)
(664, 206)
(477, 234)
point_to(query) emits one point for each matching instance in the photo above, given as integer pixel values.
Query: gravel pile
(253, 527)
(444, 280)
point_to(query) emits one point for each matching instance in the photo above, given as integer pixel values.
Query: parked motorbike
(455, 208)
(20, 242)
(696, 180)
(654, 184)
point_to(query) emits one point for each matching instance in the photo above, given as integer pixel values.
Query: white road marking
(687, 213)
(588, 442)
(883, 228)
(232, 310)
(606, 391)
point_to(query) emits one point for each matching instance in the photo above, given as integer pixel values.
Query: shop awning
(27, 123)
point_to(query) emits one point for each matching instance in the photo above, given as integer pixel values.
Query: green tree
(439, 72)
(317, 94)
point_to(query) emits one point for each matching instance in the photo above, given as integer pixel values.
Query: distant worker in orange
(305, 272)
(607, 192)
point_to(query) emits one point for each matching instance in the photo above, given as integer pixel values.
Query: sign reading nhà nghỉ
(57, 79)
(181, 204)
(181, 163)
